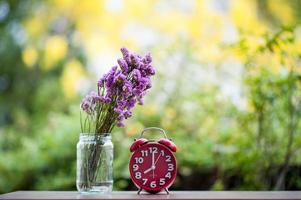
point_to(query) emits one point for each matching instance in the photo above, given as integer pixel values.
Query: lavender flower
(135, 60)
(147, 59)
(89, 102)
(119, 91)
(123, 65)
(126, 55)
(136, 75)
(131, 103)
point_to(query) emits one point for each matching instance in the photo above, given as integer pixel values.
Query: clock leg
(140, 189)
(166, 190)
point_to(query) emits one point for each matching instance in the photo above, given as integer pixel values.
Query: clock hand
(154, 166)
(154, 173)
(153, 159)
(157, 160)
(148, 170)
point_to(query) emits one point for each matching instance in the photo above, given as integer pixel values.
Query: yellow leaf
(72, 73)
(56, 48)
(29, 56)
(34, 26)
(282, 11)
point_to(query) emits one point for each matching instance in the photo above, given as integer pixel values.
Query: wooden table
(50, 195)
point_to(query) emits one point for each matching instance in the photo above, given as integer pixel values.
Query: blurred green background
(227, 88)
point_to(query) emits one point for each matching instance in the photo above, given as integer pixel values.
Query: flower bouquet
(118, 92)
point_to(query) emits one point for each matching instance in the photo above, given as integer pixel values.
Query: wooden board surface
(49, 195)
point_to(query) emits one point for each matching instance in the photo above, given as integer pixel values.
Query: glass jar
(94, 163)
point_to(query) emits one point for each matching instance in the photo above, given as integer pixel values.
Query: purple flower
(85, 105)
(124, 51)
(135, 60)
(121, 104)
(137, 91)
(147, 59)
(123, 65)
(145, 80)
(120, 124)
(88, 103)
(148, 86)
(131, 103)
(127, 88)
(119, 78)
(100, 83)
(109, 80)
(136, 74)
(107, 99)
(140, 101)
(126, 55)
(93, 95)
(150, 70)
(118, 111)
(120, 117)
(104, 99)
(128, 114)
(120, 89)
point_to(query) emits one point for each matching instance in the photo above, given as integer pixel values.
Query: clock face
(153, 167)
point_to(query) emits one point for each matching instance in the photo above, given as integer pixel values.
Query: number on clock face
(153, 167)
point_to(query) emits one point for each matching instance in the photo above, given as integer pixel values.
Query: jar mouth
(93, 136)
(97, 134)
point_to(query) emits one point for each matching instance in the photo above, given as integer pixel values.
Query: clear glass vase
(94, 163)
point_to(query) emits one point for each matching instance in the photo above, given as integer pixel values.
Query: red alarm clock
(153, 166)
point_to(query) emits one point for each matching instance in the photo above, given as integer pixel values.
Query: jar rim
(93, 135)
